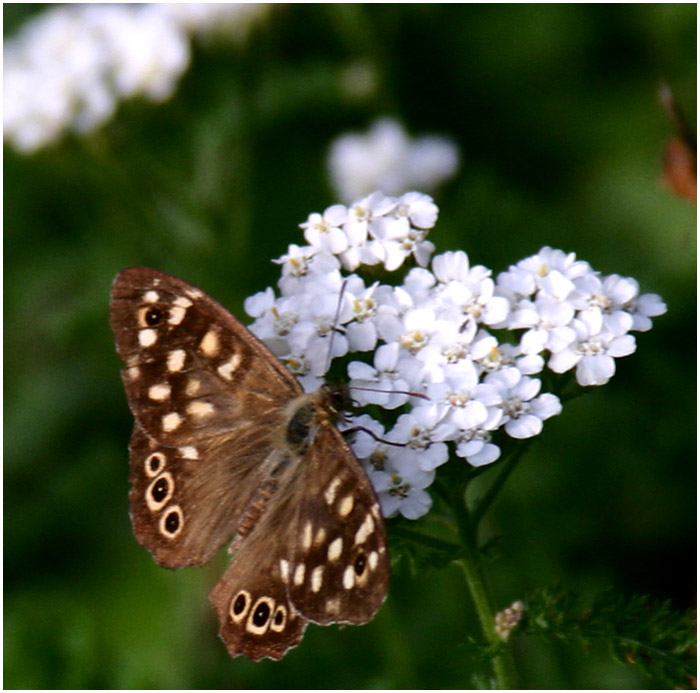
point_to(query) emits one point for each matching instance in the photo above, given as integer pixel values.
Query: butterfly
(226, 445)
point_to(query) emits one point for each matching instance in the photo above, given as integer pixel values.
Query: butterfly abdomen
(278, 463)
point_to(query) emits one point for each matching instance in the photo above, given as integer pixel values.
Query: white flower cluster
(433, 337)
(385, 158)
(68, 67)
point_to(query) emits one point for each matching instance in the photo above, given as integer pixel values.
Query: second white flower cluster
(438, 337)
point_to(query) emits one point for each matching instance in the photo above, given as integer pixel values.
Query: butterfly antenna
(355, 429)
(329, 357)
(390, 392)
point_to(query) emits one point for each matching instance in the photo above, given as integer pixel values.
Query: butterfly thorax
(309, 412)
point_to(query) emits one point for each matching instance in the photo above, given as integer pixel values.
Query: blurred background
(203, 165)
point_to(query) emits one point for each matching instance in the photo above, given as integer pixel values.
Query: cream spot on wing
(177, 315)
(366, 528)
(200, 409)
(316, 578)
(239, 606)
(349, 578)
(171, 421)
(376, 511)
(226, 370)
(335, 548)
(189, 452)
(332, 489)
(192, 388)
(284, 570)
(182, 302)
(210, 343)
(150, 297)
(299, 574)
(320, 536)
(333, 606)
(307, 536)
(159, 393)
(133, 373)
(373, 560)
(176, 360)
(147, 337)
(345, 506)
(194, 293)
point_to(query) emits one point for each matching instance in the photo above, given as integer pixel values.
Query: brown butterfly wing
(256, 617)
(181, 513)
(208, 398)
(224, 443)
(320, 556)
(192, 371)
(339, 570)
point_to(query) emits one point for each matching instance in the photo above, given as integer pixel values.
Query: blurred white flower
(387, 159)
(70, 66)
(229, 20)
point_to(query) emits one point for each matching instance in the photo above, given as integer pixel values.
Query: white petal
(546, 406)
(489, 453)
(557, 285)
(386, 357)
(595, 370)
(563, 360)
(357, 370)
(622, 346)
(362, 336)
(524, 427)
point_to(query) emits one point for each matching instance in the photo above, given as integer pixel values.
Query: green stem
(502, 662)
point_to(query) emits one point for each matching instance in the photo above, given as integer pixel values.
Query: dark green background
(554, 108)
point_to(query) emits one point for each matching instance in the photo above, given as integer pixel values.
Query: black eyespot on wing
(154, 463)
(262, 613)
(239, 604)
(160, 489)
(172, 522)
(360, 564)
(153, 316)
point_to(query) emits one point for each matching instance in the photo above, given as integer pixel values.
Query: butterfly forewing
(192, 370)
(225, 443)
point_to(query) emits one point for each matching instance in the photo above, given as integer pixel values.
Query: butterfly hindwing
(252, 602)
(182, 513)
